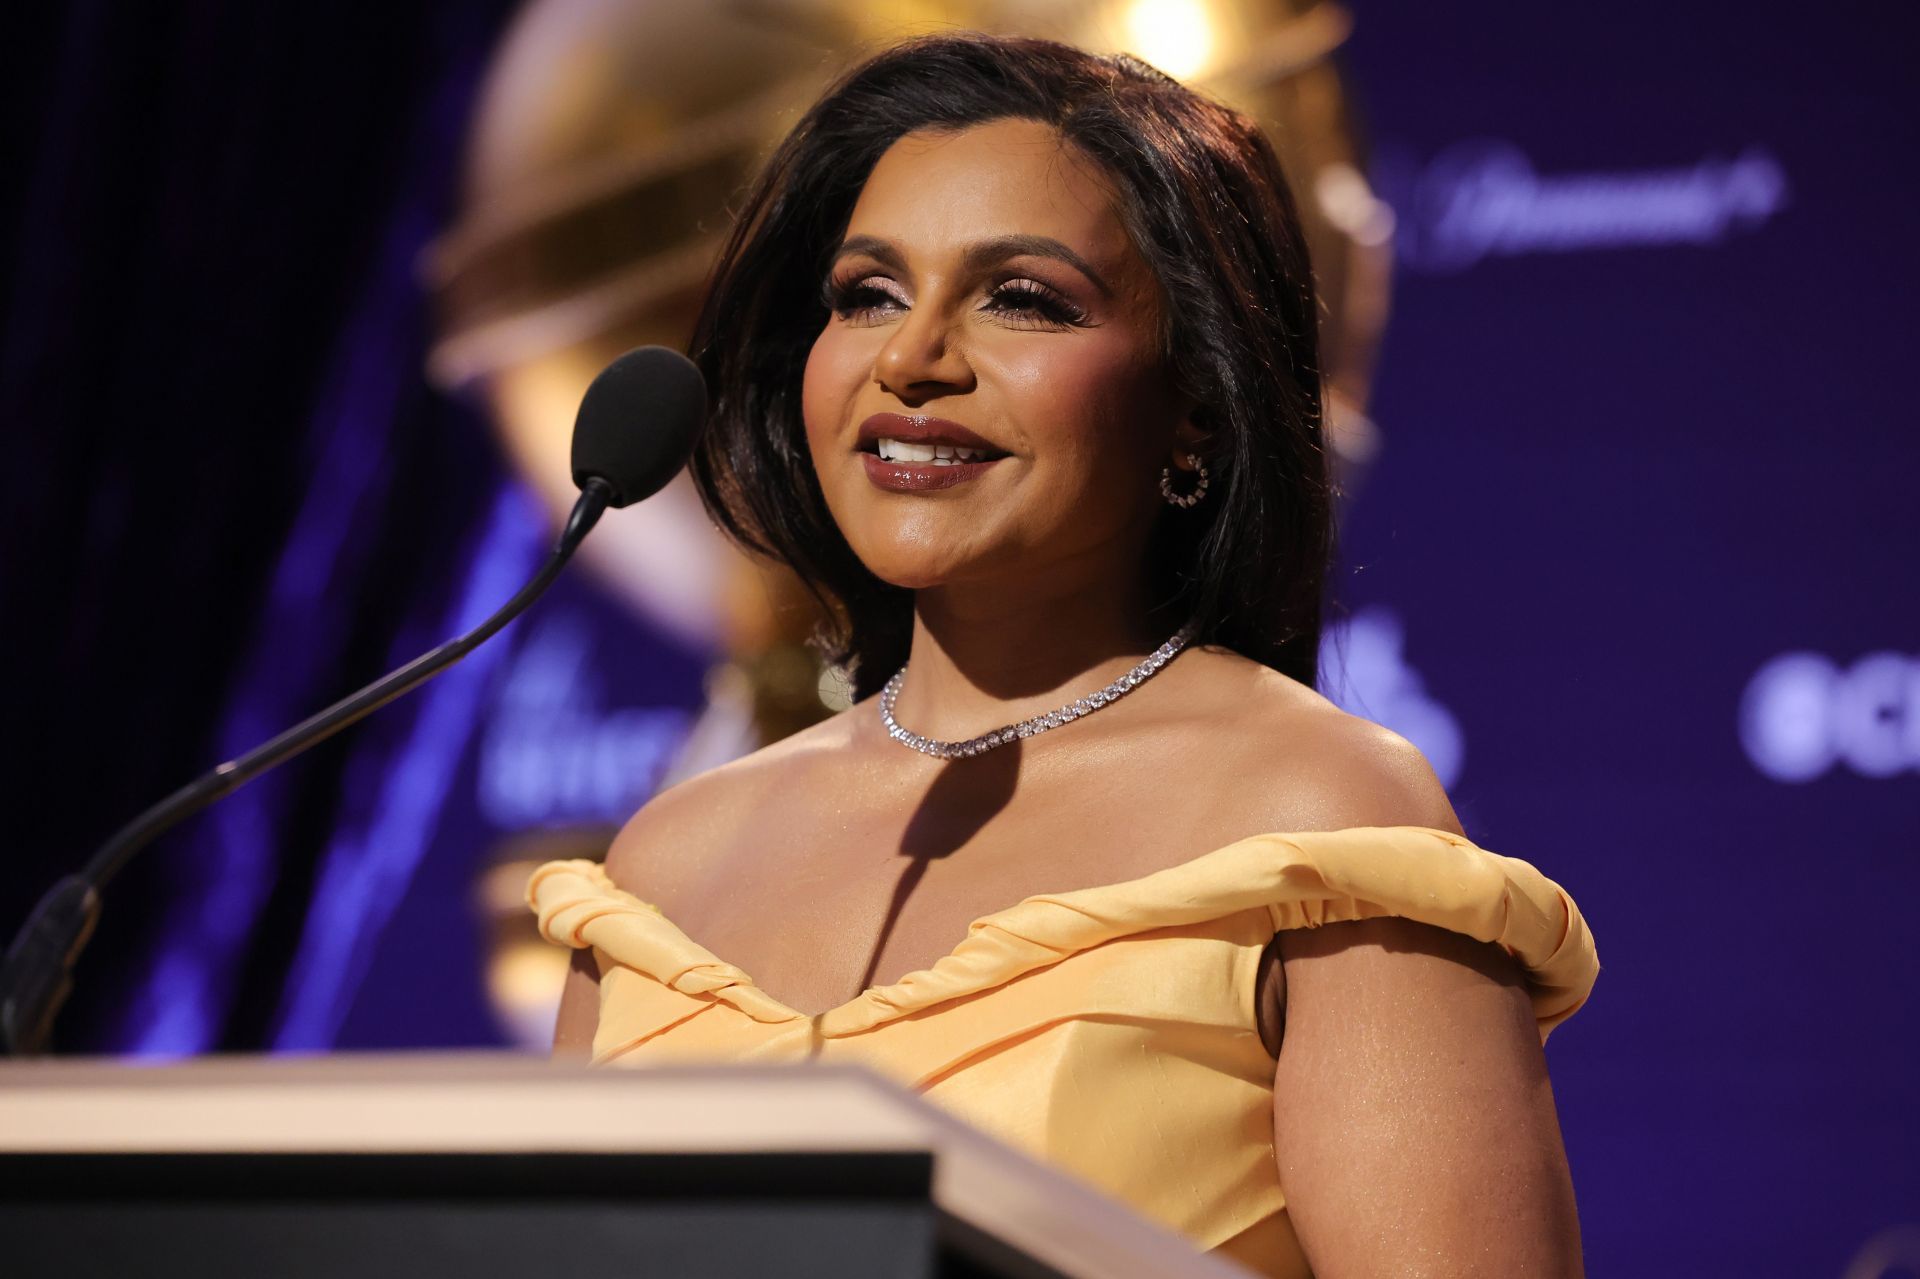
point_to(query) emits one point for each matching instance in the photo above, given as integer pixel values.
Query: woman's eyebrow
(980, 254)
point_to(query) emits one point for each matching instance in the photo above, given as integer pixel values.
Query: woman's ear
(1192, 436)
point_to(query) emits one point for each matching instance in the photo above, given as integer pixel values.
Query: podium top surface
(503, 1104)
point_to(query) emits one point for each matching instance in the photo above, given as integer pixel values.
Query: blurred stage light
(1176, 36)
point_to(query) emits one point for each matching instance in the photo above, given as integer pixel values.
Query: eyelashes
(1030, 297)
(1020, 302)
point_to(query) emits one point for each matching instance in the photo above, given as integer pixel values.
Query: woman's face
(986, 284)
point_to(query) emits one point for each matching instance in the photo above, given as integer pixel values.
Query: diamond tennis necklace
(1038, 724)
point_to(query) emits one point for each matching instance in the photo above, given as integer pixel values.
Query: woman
(1013, 360)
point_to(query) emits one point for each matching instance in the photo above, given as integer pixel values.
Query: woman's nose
(923, 358)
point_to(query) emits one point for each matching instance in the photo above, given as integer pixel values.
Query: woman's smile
(923, 476)
(919, 453)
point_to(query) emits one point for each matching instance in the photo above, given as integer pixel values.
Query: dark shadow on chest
(963, 798)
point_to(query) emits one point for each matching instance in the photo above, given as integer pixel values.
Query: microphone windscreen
(638, 422)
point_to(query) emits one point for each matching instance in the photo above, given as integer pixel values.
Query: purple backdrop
(1642, 445)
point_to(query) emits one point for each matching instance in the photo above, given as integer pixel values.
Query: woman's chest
(821, 899)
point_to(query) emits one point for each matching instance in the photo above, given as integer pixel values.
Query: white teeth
(900, 451)
(938, 454)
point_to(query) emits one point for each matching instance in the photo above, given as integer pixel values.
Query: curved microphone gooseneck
(635, 431)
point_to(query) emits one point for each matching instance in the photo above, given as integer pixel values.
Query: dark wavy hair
(1201, 193)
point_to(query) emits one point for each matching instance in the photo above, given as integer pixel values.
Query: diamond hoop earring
(1184, 499)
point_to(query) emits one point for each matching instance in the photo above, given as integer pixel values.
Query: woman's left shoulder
(1318, 766)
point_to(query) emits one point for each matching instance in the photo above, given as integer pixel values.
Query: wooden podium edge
(511, 1103)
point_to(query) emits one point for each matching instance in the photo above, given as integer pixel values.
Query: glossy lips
(920, 477)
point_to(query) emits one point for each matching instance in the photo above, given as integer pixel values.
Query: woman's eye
(1033, 304)
(858, 299)
(1022, 303)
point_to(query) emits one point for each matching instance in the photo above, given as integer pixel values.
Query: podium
(482, 1165)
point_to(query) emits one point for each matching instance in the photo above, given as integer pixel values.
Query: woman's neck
(986, 656)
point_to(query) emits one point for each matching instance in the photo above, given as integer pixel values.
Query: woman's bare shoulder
(1306, 763)
(671, 840)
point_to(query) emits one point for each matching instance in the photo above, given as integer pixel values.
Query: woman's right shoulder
(680, 834)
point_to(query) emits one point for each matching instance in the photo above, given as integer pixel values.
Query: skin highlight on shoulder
(1280, 756)
(678, 839)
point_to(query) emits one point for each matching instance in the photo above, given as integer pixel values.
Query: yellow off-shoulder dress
(1108, 1031)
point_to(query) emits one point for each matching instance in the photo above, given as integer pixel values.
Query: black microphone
(635, 431)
